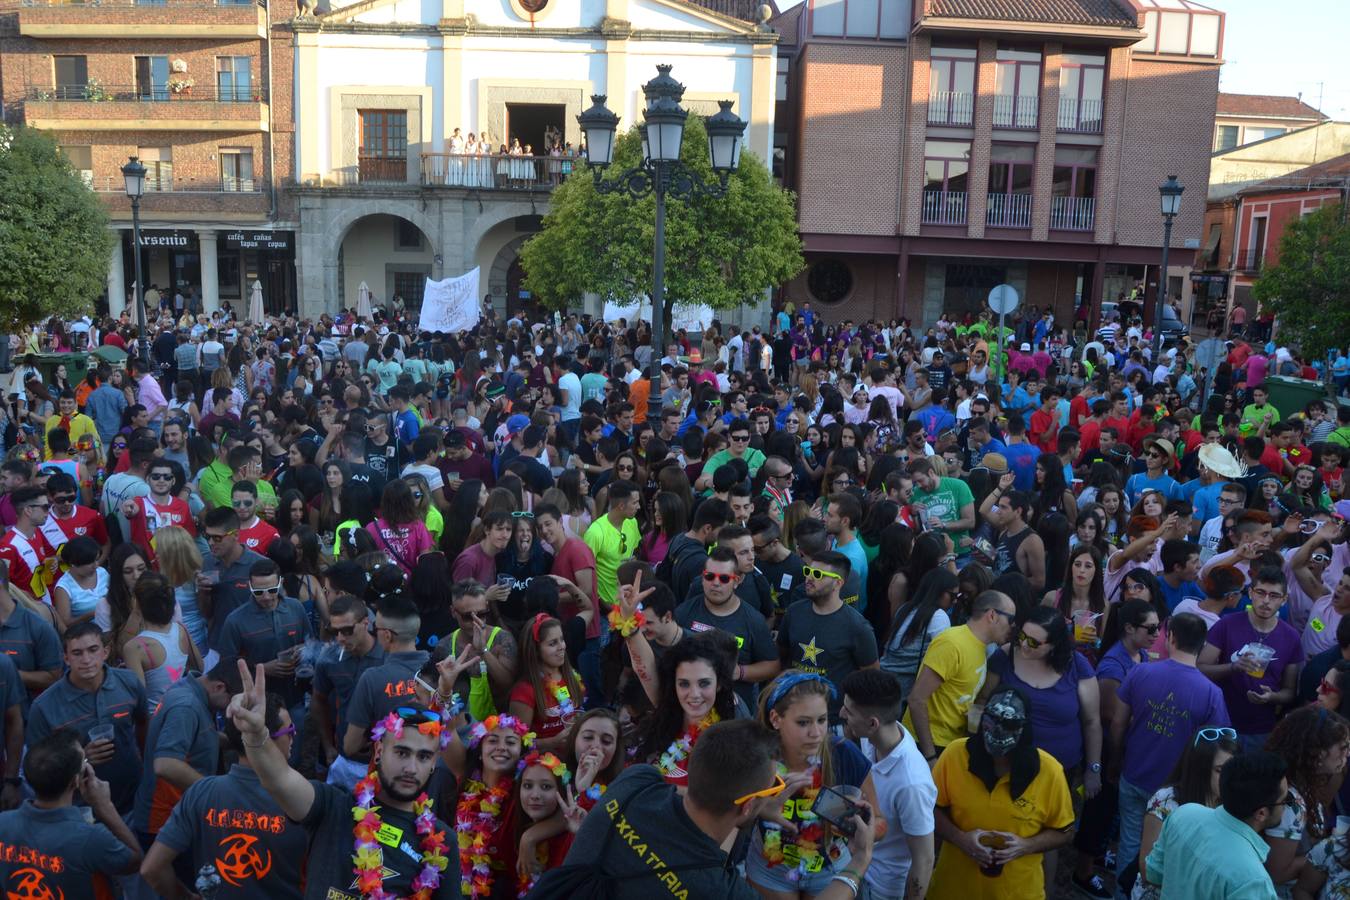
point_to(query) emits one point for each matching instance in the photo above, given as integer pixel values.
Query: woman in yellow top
(1002, 804)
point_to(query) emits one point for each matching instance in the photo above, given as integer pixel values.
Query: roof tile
(1267, 105)
(1066, 12)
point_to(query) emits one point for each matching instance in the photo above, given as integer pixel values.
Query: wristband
(853, 885)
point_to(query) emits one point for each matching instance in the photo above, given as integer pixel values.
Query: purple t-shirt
(1055, 724)
(1169, 702)
(1230, 634)
(1116, 663)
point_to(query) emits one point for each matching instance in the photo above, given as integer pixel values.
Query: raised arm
(292, 791)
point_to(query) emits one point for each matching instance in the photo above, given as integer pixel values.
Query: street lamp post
(661, 173)
(134, 175)
(1169, 194)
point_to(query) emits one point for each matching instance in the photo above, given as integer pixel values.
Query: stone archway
(498, 277)
(389, 254)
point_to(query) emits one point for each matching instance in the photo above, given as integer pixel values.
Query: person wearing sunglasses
(335, 678)
(952, 672)
(738, 432)
(31, 557)
(719, 607)
(1159, 707)
(1159, 458)
(159, 509)
(732, 783)
(198, 829)
(614, 537)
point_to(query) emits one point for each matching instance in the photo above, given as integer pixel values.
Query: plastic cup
(212, 577)
(993, 841)
(1256, 658)
(1085, 627)
(102, 733)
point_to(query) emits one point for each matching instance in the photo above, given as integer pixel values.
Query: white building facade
(384, 90)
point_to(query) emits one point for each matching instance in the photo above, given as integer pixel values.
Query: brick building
(943, 147)
(200, 92)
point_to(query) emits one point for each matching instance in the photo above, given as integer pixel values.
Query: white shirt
(906, 796)
(1211, 534)
(435, 480)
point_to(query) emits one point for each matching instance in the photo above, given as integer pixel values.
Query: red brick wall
(875, 288)
(1168, 130)
(852, 120)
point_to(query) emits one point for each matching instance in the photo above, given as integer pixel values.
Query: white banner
(692, 317)
(450, 305)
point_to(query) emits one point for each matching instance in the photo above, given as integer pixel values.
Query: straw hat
(1220, 461)
(1162, 444)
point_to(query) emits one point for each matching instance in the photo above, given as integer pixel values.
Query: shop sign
(258, 240)
(171, 239)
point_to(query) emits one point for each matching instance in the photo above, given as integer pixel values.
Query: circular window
(829, 281)
(531, 10)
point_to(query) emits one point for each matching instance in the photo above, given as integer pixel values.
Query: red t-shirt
(1078, 411)
(258, 536)
(114, 339)
(569, 559)
(549, 722)
(1046, 427)
(83, 522)
(26, 558)
(150, 517)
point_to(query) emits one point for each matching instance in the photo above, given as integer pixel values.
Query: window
(234, 80)
(383, 154)
(409, 236)
(158, 162)
(946, 165)
(1081, 79)
(72, 75)
(152, 77)
(829, 280)
(1017, 87)
(1260, 134)
(1011, 168)
(781, 85)
(409, 285)
(1073, 189)
(951, 86)
(1226, 137)
(81, 160)
(236, 169)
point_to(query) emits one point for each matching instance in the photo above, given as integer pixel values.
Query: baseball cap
(517, 423)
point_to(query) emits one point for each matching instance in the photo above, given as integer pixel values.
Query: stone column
(117, 280)
(206, 241)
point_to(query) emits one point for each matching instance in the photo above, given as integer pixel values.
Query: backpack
(588, 880)
(665, 570)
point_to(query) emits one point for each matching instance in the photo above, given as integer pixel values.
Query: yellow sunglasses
(773, 790)
(812, 572)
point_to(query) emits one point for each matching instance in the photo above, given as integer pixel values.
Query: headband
(548, 761)
(792, 680)
(492, 723)
(536, 623)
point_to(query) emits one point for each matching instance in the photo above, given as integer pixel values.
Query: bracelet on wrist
(626, 626)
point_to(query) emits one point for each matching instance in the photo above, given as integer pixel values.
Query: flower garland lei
(557, 690)
(810, 835)
(525, 882)
(479, 811)
(626, 627)
(683, 745)
(368, 859)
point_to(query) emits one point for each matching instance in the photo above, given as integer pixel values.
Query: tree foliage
(1309, 289)
(722, 252)
(53, 233)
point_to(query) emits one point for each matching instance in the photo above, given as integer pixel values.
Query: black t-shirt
(382, 460)
(655, 835)
(328, 874)
(786, 581)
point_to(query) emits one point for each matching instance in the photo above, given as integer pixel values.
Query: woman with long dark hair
(1082, 600)
(886, 579)
(461, 516)
(1314, 744)
(325, 510)
(694, 691)
(1052, 495)
(915, 624)
(670, 521)
(399, 530)
(116, 613)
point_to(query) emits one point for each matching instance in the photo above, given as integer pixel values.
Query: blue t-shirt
(1174, 595)
(1205, 500)
(406, 427)
(1054, 710)
(1137, 484)
(1116, 663)
(857, 559)
(1022, 463)
(1169, 702)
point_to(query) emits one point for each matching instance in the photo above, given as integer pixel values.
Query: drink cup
(1085, 627)
(993, 841)
(101, 733)
(212, 578)
(1255, 659)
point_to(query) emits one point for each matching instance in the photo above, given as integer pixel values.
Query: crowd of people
(338, 609)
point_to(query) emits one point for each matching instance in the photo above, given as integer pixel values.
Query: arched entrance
(391, 255)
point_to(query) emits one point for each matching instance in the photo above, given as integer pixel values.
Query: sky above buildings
(1281, 48)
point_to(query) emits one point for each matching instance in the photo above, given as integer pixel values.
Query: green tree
(53, 231)
(1309, 289)
(722, 252)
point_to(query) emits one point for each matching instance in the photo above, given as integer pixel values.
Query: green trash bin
(77, 365)
(1290, 395)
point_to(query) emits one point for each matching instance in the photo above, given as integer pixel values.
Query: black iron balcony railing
(174, 91)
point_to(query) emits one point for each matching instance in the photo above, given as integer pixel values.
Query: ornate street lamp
(1169, 196)
(661, 173)
(133, 173)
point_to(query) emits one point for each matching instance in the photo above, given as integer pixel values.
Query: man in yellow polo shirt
(613, 538)
(68, 417)
(952, 673)
(1002, 804)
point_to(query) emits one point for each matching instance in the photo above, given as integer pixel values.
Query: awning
(1212, 242)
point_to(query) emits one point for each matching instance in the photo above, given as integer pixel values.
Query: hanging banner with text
(450, 305)
(692, 317)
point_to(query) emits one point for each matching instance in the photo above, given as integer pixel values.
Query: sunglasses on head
(813, 572)
(522, 514)
(719, 577)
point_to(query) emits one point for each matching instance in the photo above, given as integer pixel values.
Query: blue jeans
(1133, 802)
(588, 665)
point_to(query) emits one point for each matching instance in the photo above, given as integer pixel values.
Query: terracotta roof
(1329, 172)
(745, 10)
(1266, 106)
(1064, 12)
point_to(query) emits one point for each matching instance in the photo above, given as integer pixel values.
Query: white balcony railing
(1080, 115)
(951, 108)
(1009, 211)
(1072, 213)
(1015, 110)
(944, 207)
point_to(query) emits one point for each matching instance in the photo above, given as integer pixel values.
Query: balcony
(1015, 110)
(116, 184)
(495, 172)
(111, 107)
(164, 19)
(1008, 211)
(1072, 213)
(951, 108)
(944, 208)
(1250, 260)
(1080, 116)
